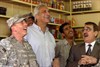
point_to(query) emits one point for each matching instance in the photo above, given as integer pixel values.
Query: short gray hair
(37, 8)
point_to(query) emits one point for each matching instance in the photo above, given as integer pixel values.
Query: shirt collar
(66, 42)
(38, 28)
(92, 43)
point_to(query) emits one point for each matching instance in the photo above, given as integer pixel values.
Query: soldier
(14, 51)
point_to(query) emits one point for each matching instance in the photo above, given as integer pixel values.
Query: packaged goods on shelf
(81, 5)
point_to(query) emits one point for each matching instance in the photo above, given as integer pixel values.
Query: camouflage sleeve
(6, 58)
(3, 57)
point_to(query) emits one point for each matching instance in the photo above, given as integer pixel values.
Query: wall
(82, 18)
(95, 17)
(11, 10)
(4, 30)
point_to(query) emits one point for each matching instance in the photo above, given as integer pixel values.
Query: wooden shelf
(80, 39)
(23, 3)
(60, 11)
(77, 26)
(57, 10)
(54, 24)
(85, 12)
(3, 36)
(4, 16)
(29, 4)
(57, 40)
(60, 24)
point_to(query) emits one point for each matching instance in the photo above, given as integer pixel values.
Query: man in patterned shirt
(14, 51)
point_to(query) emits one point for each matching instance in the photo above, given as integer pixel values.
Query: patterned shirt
(15, 54)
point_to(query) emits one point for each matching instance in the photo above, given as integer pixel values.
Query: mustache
(85, 35)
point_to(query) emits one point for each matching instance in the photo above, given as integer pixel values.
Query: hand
(82, 61)
(90, 59)
(87, 60)
(56, 62)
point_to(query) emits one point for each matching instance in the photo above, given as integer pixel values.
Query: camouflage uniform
(15, 54)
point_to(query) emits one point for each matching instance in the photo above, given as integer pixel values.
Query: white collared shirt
(43, 45)
(86, 45)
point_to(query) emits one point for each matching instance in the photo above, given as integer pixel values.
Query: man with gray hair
(41, 40)
(14, 51)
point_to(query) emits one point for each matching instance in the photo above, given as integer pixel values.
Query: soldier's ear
(13, 28)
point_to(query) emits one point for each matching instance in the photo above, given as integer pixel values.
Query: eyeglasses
(87, 29)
